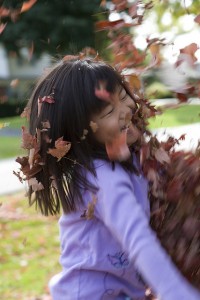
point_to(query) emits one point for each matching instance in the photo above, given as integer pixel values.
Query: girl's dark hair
(73, 85)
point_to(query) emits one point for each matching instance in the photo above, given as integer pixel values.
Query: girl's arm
(118, 207)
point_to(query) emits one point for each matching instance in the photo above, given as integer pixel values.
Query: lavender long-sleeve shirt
(114, 254)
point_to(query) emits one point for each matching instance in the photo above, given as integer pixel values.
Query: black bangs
(92, 74)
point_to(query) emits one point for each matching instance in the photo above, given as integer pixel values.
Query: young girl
(84, 143)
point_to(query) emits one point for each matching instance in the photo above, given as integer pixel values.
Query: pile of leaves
(174, 176)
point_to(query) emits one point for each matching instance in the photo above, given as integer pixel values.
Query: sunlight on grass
(184, 115)
(29, 249)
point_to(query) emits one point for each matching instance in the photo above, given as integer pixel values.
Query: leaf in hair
(85, 132)
(48, 99)
(28, 140)
(46, 125)
(26, 113)
(61, 148)
(36, 186)
(93, 126)
(89, 212)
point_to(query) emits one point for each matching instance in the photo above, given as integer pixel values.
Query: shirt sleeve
(118, 207)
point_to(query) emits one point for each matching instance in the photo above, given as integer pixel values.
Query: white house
(17, 74)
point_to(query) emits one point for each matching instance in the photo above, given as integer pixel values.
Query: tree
(54, 27)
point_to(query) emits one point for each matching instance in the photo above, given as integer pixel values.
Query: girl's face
(115, 118)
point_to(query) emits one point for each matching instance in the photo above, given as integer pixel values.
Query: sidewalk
(9, 183)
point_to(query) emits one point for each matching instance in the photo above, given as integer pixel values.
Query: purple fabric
(114, 254)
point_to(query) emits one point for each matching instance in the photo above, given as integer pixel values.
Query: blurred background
(156, 42)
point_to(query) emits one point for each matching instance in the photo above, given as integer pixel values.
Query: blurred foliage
(9, 109)
(54, 27)
(157, 90)
(176, 9)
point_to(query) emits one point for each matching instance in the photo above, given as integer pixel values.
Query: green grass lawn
(29, 250)
(184, 115)
(10, 147)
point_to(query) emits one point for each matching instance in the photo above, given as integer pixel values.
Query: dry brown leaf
(93, 126)
(61, 148)
(91, 208)
(162, 156)
(28, 140)
(36, 186)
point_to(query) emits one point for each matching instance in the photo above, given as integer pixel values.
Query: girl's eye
(108, 112)
(123, 95)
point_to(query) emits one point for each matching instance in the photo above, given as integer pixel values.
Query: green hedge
(11, 109)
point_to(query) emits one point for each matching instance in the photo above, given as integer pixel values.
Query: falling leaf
(105, 25)
(153, 177)
(61, 148)
(103, 3)
(70, 57)
(4, 12)
(14, 83)
(190, 51)
(162, 156)
(117, 148)
(102, 93)
(25, 167)
(2, 27)
(134, 81)
(27, 5)
(30, 51)
(197, 19)
(182, 97)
